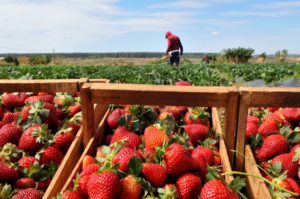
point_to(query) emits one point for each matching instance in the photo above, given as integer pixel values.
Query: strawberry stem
(261, 178)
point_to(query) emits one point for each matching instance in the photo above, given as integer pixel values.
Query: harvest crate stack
(258, 97)
(75, 149)
(102, 95)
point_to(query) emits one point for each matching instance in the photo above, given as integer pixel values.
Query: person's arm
(169, 46)
(180, 46)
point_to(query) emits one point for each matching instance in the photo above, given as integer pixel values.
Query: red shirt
(174, 44)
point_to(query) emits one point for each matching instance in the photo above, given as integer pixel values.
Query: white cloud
(261, 14)
(182, 4)
(224, 23)
(215, 33)
(281, 4)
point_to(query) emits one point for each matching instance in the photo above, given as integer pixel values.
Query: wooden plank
(87, 109)
(274, 97)
(90, 149)
(99, 112)
(38, 85)
(256, 188)
(231, 111)
(222, 146)
(160, 95)
(66, 166)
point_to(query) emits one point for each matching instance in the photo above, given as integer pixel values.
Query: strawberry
(8, 172)
(178, 160)
(294, 185)
(217, 156)
(175, 111)
(215, 189)
(1, 124)
(105, 185)
(149, 154)
(90, 169)
(34, 137)
(50, 154)
(1, 113)
(107, 139)
(183, 109)
(10, 152)
(130, 188)
(34, 99)
(189, 186)
(287, 163)
(87, 160)
(43, 185)
(72, 110)
(23, 183)
(76, 94)
(112, 119)
(272, 109)
(196, 116)
(71, 195)
(183, 83)
(29, 193)
(272, 116)
(123, 156)
(273, 145)
(82, 185)
(202, 163)
(251, 129)
(291, 113)
(252, 119)
(59, 113)
(75, 127)
(132, 140)
(267, 127)
(9, 133)
(63, 101)
(11, 101)
(155, 174)
(207, 153)
(196, 133)
(168, 191)
(27, 161)
(155, 137)
(64, 139)
(9, 118)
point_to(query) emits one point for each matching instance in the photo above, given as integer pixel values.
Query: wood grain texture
(159, 95)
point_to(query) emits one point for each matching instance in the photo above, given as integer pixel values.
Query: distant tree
(262, 57)
(39, 59)
(10, 59)
(237, 55)
(281, 56)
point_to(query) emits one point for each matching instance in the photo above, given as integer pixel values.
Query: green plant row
(161, 73)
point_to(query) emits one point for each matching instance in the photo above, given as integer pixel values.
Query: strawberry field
(197, 74)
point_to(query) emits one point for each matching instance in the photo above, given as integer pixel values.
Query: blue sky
(139, 25)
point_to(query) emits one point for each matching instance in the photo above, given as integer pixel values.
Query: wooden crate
(74, 152)
(104, 95)
(258, 97)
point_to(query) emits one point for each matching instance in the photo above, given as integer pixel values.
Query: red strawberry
(82, 185)
(294, 185)
(273, 145)
(9, 133)
(123, 156)
(291, 113)
(34, 137)
(155, 137)
(149, 154)
(9, 118)
(293, 150)
(132, 139)
(76, 94)
(287, 163)
(1, 113)
(71, 195)
(202, 163)
(64, 139)
(29, 193)
(11, 101)
(189, 186)
(52, 118)
(130, 188)
(267, 127)
(27, 161)
(63, 101)
(178, 160)
(196, 116)
(155, 174)
(272, 116)
(23, 183)
(105, 185)
(215, 189)
(112, 119)
(107, 139)
(272, 109)
(51, 154)
(8, 172)
(34, 99)
(174, 110)
(72, 110)
(183, 109)
(90, 169)
(251, 129)
(75, 127)
(206, 152)
(1, 124)
(183, 83)
(43, 185)
(59, 113)
(196, 133)
(253, 119)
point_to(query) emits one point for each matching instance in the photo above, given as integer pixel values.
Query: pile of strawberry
(36, 130)
(154, 152)
(274, 136)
